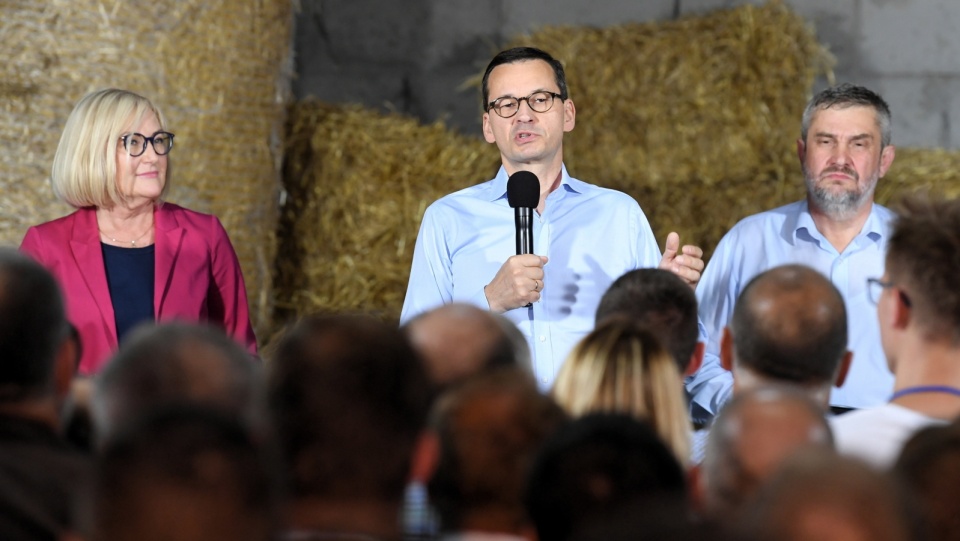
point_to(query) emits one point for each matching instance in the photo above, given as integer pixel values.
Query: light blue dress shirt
(591, 235)
(788, 235)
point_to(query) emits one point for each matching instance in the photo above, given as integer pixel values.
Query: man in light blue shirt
(844, 149)
(465, 250)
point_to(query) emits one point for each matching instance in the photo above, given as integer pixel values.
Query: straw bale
(933, 171)
(696, 118)
(682, 114)
(219, 69)
(358, 183)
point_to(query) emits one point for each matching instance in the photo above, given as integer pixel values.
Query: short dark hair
(33, 326)
(660, 301)
(484, 459)
(173, 362)
(923, 258)
(348, 397)
(790, 324)
(594, 466)
(205, 456)
(848, 95)
(522, 54)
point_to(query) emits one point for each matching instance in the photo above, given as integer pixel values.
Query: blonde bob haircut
(621, 367)
(84, 172)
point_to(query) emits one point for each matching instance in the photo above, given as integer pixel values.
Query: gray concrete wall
(413, 56)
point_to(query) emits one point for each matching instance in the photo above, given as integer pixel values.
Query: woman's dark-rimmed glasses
(136, 143)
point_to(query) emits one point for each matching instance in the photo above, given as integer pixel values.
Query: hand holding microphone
(520, 280)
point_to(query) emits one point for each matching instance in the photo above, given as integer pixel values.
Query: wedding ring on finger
(536, 285)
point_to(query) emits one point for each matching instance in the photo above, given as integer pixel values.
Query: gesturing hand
(687, 264)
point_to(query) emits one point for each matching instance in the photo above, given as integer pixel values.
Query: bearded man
(844, 149)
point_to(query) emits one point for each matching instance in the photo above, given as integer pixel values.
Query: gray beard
(839, 206)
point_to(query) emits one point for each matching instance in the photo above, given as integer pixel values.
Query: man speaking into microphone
(583, 236)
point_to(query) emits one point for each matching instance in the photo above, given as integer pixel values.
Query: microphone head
(523, 190)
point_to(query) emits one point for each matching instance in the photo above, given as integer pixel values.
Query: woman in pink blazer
(125, 256)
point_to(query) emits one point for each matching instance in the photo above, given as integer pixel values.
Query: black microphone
(523, 195)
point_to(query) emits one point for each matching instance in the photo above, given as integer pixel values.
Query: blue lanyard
(925, 389)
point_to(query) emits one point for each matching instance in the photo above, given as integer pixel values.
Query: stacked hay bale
(219, 69)
(357, 185)
(695, 118)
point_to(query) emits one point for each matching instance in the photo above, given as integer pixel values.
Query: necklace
(132, 242)
(946, 389)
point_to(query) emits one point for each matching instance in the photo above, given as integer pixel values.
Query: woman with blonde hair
(124, 256)
(622, 367)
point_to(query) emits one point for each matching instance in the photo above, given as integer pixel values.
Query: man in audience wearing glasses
(466, 252)
(918, 308)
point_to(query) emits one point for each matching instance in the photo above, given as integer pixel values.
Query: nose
(150, 154)
(841, 155)
(524, 111)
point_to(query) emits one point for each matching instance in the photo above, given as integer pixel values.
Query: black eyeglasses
(136, 143)
(875, 287)
(508, 106)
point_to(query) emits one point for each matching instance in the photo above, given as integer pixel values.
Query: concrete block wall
(414, 56)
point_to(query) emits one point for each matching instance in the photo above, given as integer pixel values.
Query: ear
(726, 349)
(843, 368)
(801, 150)
(569, 115)
(426, 454)
(886, 159)
(65, 368)
(901, 311)
(696, 360)
(488, 129)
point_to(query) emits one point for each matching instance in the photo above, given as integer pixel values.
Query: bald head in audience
(175, 362)
(756, 431)
(789, 326)
(458, 340)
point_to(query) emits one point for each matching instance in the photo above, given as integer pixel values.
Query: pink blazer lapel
(85, 245)
(169, 242)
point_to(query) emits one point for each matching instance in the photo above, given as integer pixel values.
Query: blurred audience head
(750, 438)
(789, 326)
(184, 473)
(175, 362)
(34, 334)
(820, 495)
(665, 304)
(349, 399)
(621, 367)
(919, 292)
(459, 340)
(489, 430)
(929, 468)
(594, 467)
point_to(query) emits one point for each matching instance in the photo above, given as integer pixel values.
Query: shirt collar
(875, 227)
(498, 186)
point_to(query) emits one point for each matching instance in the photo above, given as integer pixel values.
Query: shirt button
(543, 338)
